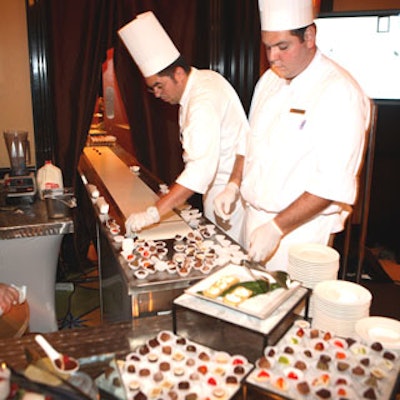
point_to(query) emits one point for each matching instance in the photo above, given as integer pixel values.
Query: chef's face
(168, 88)
(287, 54)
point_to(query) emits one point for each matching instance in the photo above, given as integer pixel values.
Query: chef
(213, 124)
(308, 121)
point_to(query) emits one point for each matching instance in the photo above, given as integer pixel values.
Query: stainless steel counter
(29, 249)
(24, 221)
(122, 295)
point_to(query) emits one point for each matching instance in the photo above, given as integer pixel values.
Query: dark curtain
(214, 33)
(154, 124)
(235, 44)
(80, 31)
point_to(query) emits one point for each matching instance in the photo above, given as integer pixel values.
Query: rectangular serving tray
(259, 306)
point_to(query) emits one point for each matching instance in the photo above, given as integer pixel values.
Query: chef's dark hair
(179, 62)
(300, 32)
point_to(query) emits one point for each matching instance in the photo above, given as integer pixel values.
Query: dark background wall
(384, 216)
(235, 53)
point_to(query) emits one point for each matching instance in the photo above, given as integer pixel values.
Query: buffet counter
(125, 292)
(29, 249)
(123, 296)
(364, 369)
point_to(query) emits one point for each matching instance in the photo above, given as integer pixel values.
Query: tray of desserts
(169, 366)
(313, 364)
(256, 293)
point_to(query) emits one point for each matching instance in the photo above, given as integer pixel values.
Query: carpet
(392, 269)
(78, 300)
(387, 263)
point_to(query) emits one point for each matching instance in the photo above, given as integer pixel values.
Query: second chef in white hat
(308, 119)
(212, 121)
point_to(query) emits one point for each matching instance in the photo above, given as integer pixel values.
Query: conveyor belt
(130, 193)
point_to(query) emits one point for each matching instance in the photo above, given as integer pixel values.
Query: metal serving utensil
(281, 277)
(249, 266)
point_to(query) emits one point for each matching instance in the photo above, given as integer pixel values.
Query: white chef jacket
(213, 128)
(308, 135)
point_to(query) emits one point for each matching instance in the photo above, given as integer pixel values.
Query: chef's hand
(224, 201)
(138, 221)
(264, 241)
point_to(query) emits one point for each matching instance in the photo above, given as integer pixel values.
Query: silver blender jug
(17, 144)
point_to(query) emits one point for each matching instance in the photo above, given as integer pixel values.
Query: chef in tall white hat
(212, 121)
(308, 120)
(285, 15)
(149, 44)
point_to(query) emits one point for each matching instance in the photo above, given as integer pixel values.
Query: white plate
(313, 253)
(342, 293)
(380, 329)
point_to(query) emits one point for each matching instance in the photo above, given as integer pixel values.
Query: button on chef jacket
(213, 128)
(306, 136)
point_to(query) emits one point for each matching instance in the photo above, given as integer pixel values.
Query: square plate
(260, 306)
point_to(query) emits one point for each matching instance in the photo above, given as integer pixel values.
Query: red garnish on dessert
(319, 346)
(212, 381)
(263, 374)
(280, 383)
(292, 375)
(340, 355)
(300, 332)
(338, 343)
(327, 336)
(202, 369)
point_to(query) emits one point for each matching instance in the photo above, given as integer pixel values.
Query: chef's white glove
(264, 241)
(138, 221)
(225, 200)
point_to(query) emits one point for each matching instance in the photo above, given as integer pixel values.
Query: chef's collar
(304, 77)
(185, 95)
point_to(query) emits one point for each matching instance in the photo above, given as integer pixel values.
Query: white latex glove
(138, 221)
(264, 241)
(225, 200)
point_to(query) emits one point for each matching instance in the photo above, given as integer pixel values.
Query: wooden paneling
(15, 99)
(365, 5)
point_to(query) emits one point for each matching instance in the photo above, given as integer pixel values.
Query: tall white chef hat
(284, 15)
(149, 44)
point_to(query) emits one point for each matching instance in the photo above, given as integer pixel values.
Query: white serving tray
(260, 306)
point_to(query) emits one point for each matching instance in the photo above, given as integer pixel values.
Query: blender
(20, 185)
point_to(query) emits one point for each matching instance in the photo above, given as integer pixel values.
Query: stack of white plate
(338, 305)
(311, 263)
